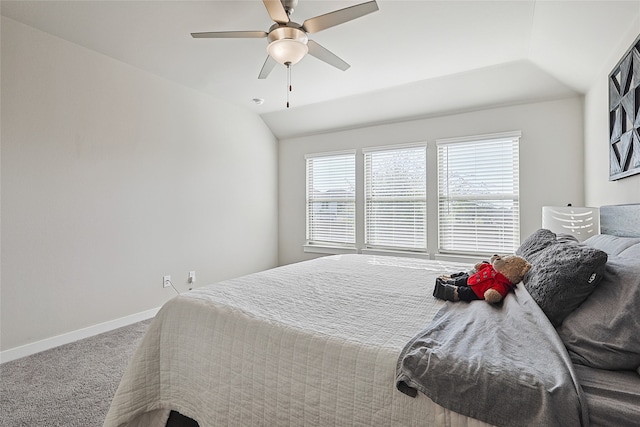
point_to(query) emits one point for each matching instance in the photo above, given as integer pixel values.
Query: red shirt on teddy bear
(488, 278)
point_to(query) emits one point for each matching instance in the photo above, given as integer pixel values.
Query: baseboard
(48, 343)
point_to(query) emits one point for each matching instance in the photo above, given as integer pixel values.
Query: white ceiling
(410, 59)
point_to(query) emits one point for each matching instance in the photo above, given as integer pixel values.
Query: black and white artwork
(624, 115)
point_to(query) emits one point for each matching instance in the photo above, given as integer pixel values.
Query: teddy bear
(490, 281)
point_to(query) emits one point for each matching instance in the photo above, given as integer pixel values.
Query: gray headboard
(620, 220)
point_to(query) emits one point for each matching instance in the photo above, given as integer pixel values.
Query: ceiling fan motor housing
(288, 31)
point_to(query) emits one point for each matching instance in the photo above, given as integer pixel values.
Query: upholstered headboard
(620, 220)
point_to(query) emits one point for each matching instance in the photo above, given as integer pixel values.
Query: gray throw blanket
(504, 365)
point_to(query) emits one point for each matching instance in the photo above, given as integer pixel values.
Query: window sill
(388, 252)
(334, 250)
(341, 250)
(461, 258)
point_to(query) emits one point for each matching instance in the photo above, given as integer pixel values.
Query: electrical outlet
(166, 281)
(192, 277)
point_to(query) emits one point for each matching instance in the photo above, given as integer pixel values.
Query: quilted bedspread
(309, 344)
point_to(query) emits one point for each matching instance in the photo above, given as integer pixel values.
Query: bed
(354, 340)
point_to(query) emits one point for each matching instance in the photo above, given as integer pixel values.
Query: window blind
(396, 199)
(478, 195)
(331, 199)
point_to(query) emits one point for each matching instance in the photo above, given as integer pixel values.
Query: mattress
(314, 343)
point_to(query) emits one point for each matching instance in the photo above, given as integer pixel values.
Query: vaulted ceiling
(409, 59)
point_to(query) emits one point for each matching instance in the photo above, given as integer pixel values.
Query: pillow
(563, 273)
(632, 252)
(613, 245)
(603, 331)
(540, 240)
(566, 238)
(536, 243)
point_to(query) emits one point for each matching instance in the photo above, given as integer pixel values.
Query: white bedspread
(308, 344)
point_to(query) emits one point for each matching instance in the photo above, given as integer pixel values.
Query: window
(395, 186)
(478, 196)
(331, 199)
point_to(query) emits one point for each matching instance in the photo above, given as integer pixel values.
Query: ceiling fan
(288, 41)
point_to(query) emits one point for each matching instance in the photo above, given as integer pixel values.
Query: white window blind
(396, 198)
(331, 199)
(478, 194)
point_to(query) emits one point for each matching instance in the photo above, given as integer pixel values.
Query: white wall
(112, 178)
(598, 189)
(551, 159)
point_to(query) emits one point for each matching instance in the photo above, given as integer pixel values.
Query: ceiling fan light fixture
(289, 51)
(287, 44)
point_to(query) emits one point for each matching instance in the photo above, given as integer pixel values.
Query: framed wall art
(624, 115)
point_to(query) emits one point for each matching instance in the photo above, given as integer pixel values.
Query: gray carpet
(71, 385)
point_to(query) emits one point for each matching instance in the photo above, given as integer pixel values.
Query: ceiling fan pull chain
(288, 81)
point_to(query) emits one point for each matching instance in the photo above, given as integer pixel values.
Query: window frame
(329, 246)
(433, 248)
(514, 196)
(389, 247)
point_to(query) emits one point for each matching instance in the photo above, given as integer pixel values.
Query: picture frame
(624, 115)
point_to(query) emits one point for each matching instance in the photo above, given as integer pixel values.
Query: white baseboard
(48, 343)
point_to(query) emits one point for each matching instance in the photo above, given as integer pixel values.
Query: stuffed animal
(490, 281)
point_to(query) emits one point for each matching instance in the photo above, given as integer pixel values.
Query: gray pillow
(563, 273)
(612, 245)
(536, 243)
(566, 238)
(604, 331)
(632, 252)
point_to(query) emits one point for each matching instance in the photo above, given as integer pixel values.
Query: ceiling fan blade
(337, 17)
(267, 67)
(276, 11)
(327, 56)
(230, 35)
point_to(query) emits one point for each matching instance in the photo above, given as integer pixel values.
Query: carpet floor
(71, 385)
